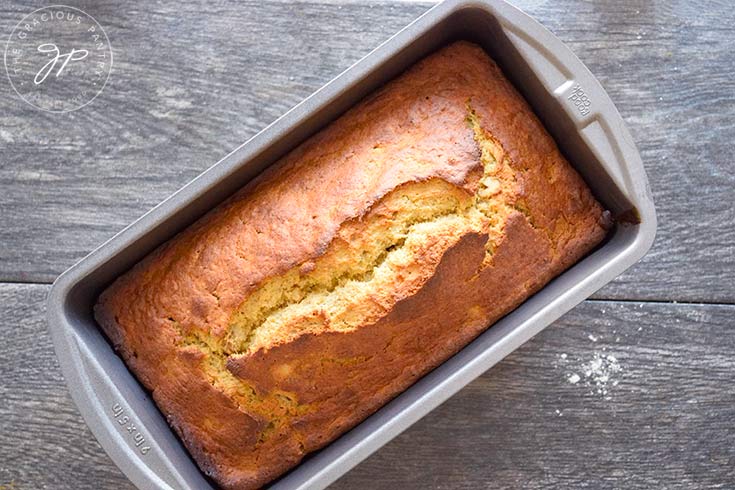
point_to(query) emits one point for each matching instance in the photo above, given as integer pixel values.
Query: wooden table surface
(634, 388)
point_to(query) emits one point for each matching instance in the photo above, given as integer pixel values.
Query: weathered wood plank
(668, 69)
(192, 80)
(665, 420)
(45, 443)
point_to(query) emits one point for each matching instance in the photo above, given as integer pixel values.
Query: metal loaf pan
(563, 93)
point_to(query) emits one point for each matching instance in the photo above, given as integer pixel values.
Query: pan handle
(586, 103)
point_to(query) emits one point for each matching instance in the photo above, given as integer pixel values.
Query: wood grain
(667, 423)
(194, 79)
(44, 443)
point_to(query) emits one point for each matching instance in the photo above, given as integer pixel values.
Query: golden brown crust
(249, 415)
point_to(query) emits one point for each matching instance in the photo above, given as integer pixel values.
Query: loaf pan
(563, 93)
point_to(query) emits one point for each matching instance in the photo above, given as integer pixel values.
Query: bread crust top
(250, 403)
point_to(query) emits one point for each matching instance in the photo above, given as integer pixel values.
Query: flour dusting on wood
(599, 372)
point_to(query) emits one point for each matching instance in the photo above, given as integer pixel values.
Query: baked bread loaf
(353, 266)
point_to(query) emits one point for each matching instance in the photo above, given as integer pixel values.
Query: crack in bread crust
(397, 244)
(367, 251)
(371, 251)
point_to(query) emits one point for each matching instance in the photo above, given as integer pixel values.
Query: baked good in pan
(354, 265)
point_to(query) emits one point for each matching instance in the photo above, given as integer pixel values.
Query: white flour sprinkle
(598, 373)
